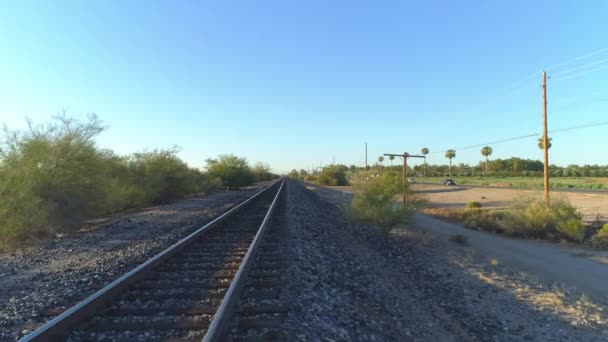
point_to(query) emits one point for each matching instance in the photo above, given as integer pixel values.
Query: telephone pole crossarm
(404, 155)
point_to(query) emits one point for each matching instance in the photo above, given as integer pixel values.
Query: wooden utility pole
(545, 138)
(405, 155)
(366, 161)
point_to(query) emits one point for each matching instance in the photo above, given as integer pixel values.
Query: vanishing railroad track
(193, 289)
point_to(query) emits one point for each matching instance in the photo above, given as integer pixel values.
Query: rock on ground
(349, 282)
(39, 283)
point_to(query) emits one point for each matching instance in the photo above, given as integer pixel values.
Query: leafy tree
(334, 175)
(261, 172)
(161, 175)
(293, 174)
(391, 158)
(450, 154)
(486, 151)
(232, 170)
(424, 152)
(541, 143)
(50, 177)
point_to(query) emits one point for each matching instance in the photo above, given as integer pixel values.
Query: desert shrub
(161, 175)
(310, 178)
(53, 177)
(261, 172)
(530, 217)
(209, 184)
(474, 205)
(333, 176)
(573, 229)
(233, 171)
(490, 220)
(375, 203)
(293, 174)
(600, 239)
(50, 177)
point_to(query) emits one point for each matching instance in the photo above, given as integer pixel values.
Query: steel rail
(58, 327)
(220, 323)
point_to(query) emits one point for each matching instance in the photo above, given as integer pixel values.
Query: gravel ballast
(349, 282)
(344, 281)
(39, 283)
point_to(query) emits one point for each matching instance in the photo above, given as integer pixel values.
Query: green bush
(474, 205)
(53, 177)
(293, 174)
(490, 220)
(49, 178)
(232, 170)
(530, 217)
(600, 239)
(376, 203)
(161, 175)
(261, 172)
(334, 175)
(573, 229)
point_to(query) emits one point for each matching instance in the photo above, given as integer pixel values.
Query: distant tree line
(511, 167)
(332, 175)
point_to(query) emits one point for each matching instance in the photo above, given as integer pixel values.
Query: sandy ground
(590, 204)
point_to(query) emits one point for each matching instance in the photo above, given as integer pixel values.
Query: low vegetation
(600, 239)
(334, 175)
(375, 203)
(474, 205)
(53, 177)
(529, 217)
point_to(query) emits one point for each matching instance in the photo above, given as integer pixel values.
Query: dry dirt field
(590, 203)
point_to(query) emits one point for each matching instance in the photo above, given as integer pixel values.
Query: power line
(524, 137)
(579, 127)
(577, 75)
(577, 58)
(602, 61)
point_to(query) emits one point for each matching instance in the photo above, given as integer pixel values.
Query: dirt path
(571, 266)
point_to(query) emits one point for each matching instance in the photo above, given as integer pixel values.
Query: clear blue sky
(295, 83)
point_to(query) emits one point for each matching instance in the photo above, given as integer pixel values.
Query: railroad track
(191, 290)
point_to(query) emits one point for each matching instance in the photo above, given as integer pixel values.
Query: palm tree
(541, 144)
(380, 160)
(450, 154)
(391, 158)
(486, 151)
(424, 152)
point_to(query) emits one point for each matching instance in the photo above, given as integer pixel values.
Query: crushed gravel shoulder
(352, 283)
(40, 283)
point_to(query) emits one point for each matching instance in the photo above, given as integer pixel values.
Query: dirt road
(590, 203)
